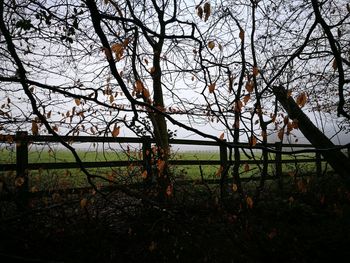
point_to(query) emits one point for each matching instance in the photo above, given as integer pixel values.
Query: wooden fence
(22, 166)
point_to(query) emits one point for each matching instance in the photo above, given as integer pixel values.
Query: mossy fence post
(21, 180)
(278, 164)
(224, 171)
(318, 164)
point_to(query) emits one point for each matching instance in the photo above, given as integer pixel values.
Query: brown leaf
(246, 167)
(222, 135)
(252, 141)
(241, 34)
(238, 106)
(207, 11)
(301, 99)
(111, 99)
(250, 202)
(169, 190)
(19, 181)
(249, 86)
(281, 134)
(211, 45)
(200, 12)
(255, 71)
(144, 174)
(234, 187)
(83, 203)
(118, 49)
(219, 171)
(211, 87)
(35, 128)
(334, 65)
(139, 86)
(115, 131)
(77, 101)
(246, 98)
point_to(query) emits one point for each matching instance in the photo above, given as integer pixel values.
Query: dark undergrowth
(304, 224)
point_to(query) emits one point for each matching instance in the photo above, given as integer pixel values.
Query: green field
(67, 178)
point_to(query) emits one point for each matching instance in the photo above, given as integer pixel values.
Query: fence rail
(22, 140)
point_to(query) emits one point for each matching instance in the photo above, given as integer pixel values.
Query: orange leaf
(35, 128)
(144, 174)
(145, 93)
(246, 167)
(139, 86)
(250, 202)
(118, 49)
(252, 141)
(301, 99)
(169, 190)
(234, 188)
(211, 88)
(219, 171)
(160, 165)
(115, 131)
(83, 202)
(19, 181)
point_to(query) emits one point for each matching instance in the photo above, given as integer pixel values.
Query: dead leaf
(249, 86)
(77, 101)
(144, 174)
(19, 181)
(250, 202)
(83, 203)
(211, 45)
(234, 187)
(222, 135)
(211, 87)
(252, 141)
(255, 71)
(207, 11)
(200, 12)
(35, 128)
(280, 134)
(241, 34)
(246, 98)
(169, 190)
(302, 99)
(246, 167)
(116, 130)
(334, 65)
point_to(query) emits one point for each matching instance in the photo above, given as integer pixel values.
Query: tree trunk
(335, 158)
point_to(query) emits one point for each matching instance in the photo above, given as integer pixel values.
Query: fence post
(278, 159)
(318, 164)
(21, 180)
(223, 166)
(147, 156)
